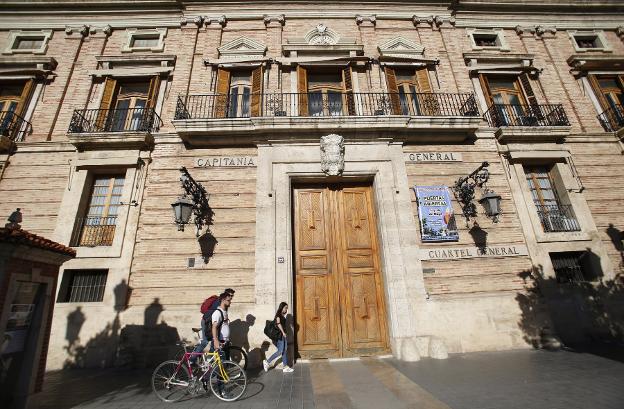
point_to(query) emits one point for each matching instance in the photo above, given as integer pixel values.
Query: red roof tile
(19, 236)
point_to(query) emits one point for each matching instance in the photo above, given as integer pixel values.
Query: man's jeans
(202, 344)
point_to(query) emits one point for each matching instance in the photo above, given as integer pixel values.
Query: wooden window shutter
(22, 105)
(347, 83)
(110, 87)
(302, 88)
(486, 90)
(152, 94)
(393, 89)
(598, 91)
(428, 103)
(530, 95)
(422, 77)
(223, 92)
(256, 91)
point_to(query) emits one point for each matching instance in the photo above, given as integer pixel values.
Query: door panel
(317, 316)
(360, 279)
(340, 308)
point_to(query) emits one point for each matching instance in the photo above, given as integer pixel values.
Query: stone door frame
(282, 165)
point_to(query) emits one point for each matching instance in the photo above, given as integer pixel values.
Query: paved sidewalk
(512, 379)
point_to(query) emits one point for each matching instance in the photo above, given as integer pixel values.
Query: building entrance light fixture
(464, 190)
(193, 202)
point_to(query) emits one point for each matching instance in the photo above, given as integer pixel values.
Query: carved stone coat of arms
(332, 154)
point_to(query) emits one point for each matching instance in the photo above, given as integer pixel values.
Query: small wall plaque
(280, 260)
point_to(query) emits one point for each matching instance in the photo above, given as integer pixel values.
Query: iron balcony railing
(612, 119)
(14, 126)
(114, 120)
(92, 231)
(526, 115)
(325, 104)
(557, 218)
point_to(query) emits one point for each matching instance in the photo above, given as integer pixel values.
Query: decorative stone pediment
(321, 35)
(242, 47)
(401, 47)
(322, 40)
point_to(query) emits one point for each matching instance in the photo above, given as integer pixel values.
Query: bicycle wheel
(170, 381)
(230, 387)
(238, 355)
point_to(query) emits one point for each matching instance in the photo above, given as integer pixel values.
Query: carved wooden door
(340, 308)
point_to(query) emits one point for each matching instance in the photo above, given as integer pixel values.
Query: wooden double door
(340, 309)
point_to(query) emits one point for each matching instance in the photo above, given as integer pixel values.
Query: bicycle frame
(215, 358)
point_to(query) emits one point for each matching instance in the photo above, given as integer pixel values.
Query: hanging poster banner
(437, 221)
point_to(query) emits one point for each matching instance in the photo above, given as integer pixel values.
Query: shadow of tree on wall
(133, 345)
(617, 237)
(584, 316)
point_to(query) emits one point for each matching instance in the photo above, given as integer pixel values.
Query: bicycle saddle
(196, 329)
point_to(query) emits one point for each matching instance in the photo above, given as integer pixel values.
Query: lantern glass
(182, 211)
(491, 202)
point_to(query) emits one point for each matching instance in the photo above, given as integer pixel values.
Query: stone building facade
(102, 104)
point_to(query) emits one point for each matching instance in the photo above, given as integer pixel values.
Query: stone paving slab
(495, 380)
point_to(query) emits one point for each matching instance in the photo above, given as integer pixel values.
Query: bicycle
(232, 352)
(173, 380)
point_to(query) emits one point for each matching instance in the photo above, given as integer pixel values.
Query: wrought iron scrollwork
(464, 189)
(197, 193)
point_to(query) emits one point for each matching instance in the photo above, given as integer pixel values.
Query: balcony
(612, 119)
(94, 231)
(13, 128)
(113, 127)
(528, 123)
(557, 218)
(449, 116)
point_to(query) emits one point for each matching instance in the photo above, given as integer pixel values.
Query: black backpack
(207, 318)
(271, 330)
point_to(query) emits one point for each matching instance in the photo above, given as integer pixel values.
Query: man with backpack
(208, 308)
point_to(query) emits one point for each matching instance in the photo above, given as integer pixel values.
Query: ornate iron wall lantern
(194, 201)
(464, 190)
(491, 202)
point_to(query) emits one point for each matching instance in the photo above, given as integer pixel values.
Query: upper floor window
(145, 40)
(553, 214)
(589, 41)
(33, 42)
(609, 90)
(408, 84)
(487, 39)
(14, 101)
(97, 227)
(127, 105)
(325, 92)
(239, 93)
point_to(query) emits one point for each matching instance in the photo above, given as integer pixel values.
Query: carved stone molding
(81, 30)
(279, 19)
(372, 19)
(197, 20)
(332, 154)
(620, 32)
(436, 21)
(541, 30)
(214, 21)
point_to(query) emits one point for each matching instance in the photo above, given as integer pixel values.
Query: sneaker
(265, 365)
(288, 369)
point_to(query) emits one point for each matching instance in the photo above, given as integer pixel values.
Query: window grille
(569, 267)
(84, 285)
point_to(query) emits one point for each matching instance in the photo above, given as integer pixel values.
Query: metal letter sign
(437, 220)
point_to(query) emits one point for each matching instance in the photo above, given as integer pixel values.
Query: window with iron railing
(97, 227)
(14, 102)
(610, 92)
(83, 286)
(572, 266)
(554, 216)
